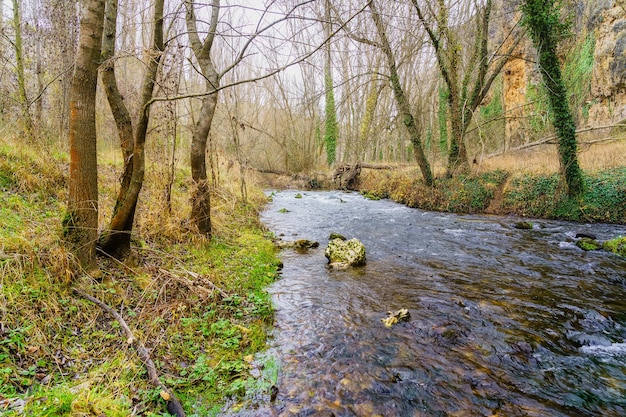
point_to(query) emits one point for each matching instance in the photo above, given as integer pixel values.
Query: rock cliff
(602, 101)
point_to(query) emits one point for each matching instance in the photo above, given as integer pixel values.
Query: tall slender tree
(80, 224)
(330, 112)
(408, 119)
(27, 119)
(468, 78)
(116, 238)
(201, 199)
(546, 26)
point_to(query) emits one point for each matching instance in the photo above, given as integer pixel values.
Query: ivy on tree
(546, 26)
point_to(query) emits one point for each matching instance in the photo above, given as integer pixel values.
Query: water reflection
(503, 321)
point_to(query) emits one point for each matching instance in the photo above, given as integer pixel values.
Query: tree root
(174, 406)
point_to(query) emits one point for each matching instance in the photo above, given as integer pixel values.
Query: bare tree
(20, 74)
(203, 50)
(115, 239)
(201, 203)
(80, 224)
(466, 63)
(408, 119)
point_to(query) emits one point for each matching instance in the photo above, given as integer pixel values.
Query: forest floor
(199, 306)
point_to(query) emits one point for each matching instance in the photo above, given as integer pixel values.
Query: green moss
(589, 244)
(617, 245)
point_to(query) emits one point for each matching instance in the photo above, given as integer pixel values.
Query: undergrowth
(543, 196)
(199, 306)
(499, 192)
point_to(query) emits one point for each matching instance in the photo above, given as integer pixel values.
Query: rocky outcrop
(602, 20)
(345, 253)
(607, 23)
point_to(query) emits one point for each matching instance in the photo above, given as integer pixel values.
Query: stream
(504, 322)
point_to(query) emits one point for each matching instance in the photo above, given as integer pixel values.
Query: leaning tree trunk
(403, 103)
(116, 239)
(80, 224)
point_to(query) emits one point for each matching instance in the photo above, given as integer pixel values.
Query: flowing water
(504, 322)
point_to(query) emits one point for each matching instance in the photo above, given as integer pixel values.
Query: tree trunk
(80, 224)
(116, 239)
(330, 112)
(201, 198)
(19, 68)
(457, 156)
(405, 108)
(543, 20)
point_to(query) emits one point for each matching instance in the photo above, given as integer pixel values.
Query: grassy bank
(538, 195)
(199, 306)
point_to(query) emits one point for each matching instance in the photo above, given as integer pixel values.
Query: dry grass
(544, 159)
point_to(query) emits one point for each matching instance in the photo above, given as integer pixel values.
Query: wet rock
(396, 317)
(586, 235)
(343, 253)
(334, 235)
(523, 225)
(302, 244)
(589, 244)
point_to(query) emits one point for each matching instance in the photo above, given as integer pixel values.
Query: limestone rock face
(607, 22)
(342, 253)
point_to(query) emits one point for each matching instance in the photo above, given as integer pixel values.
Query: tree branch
(174, 406)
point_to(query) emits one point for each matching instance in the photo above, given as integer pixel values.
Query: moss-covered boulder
(587, 243)
(617, 245)
(342, 253)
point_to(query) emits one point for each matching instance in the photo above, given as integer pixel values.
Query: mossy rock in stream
(342, 253)
(335, 235)
(298, 244)
(617, 245)
(588, 244)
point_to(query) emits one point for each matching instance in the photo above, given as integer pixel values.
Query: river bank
(505, 193)
(199, 306)
(501, 192)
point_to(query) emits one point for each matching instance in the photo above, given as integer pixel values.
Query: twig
(215, 287)
(193, 286)
(174, 406)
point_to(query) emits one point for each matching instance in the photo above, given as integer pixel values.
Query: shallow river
(504, 322)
